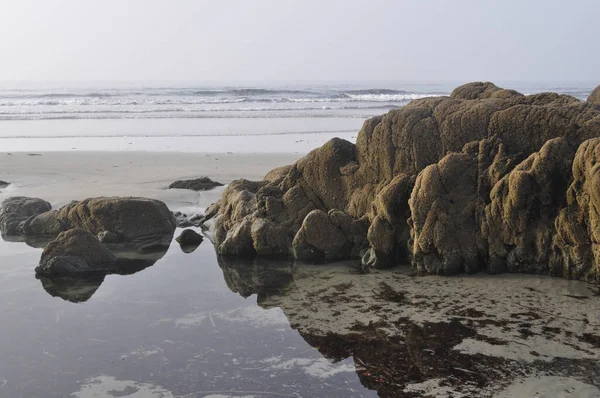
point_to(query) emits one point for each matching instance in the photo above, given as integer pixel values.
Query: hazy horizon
(269, 41)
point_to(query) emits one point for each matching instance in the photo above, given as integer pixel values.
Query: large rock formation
(483, 179)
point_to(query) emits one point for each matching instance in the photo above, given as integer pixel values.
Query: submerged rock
(189, 240)
(198, 184)
(75, 251)
(16, 210)
(483, 179)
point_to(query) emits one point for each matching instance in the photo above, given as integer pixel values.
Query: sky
(304, 41)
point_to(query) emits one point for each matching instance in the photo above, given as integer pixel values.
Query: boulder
(329, 236)
(198, 184)
(443, 224)
(47, 224)
(576, 244)
(16, 210)
(73, 252)
(518, 223)
(141, 222)
(189, 240)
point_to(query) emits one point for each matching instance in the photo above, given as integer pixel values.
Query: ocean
(208, 118)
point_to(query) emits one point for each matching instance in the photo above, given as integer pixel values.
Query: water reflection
(426, 336)
(75, 290)
(263, 277)
(192, 325)
(81, 288)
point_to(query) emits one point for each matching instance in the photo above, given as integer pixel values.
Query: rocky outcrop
(198, 184)
(75, 251)
(484, 179)
(140, 222)
(15, 211)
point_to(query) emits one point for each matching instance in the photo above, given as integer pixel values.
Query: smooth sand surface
(60, 177)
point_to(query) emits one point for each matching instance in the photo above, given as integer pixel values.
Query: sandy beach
(60, 177)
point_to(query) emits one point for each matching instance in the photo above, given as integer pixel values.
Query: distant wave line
(172, 135)
(397, 98)
(184, 116)
(194, 92)
(191, 110)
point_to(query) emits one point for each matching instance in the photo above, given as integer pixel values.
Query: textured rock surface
(198, 184)
(141, 222)
(16, 210)
(483, 179)
(595, 96)
(330, 236)
(75, 251)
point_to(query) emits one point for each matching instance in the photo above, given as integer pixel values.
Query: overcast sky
(301, 40)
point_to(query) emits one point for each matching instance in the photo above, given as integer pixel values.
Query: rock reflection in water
(261, 276)
(81, 288)
(429, 336)
(75, 290)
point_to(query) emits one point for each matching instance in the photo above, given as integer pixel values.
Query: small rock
(198, 184)
(4, 184)
(189, 240)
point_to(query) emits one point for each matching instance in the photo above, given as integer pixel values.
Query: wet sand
(60, 177)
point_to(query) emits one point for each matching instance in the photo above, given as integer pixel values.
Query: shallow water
(194, 325)
(172, 330)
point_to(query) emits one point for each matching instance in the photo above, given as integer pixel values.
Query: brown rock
(198, 184)
(486, 170)
(75, 251)
(15, 210)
